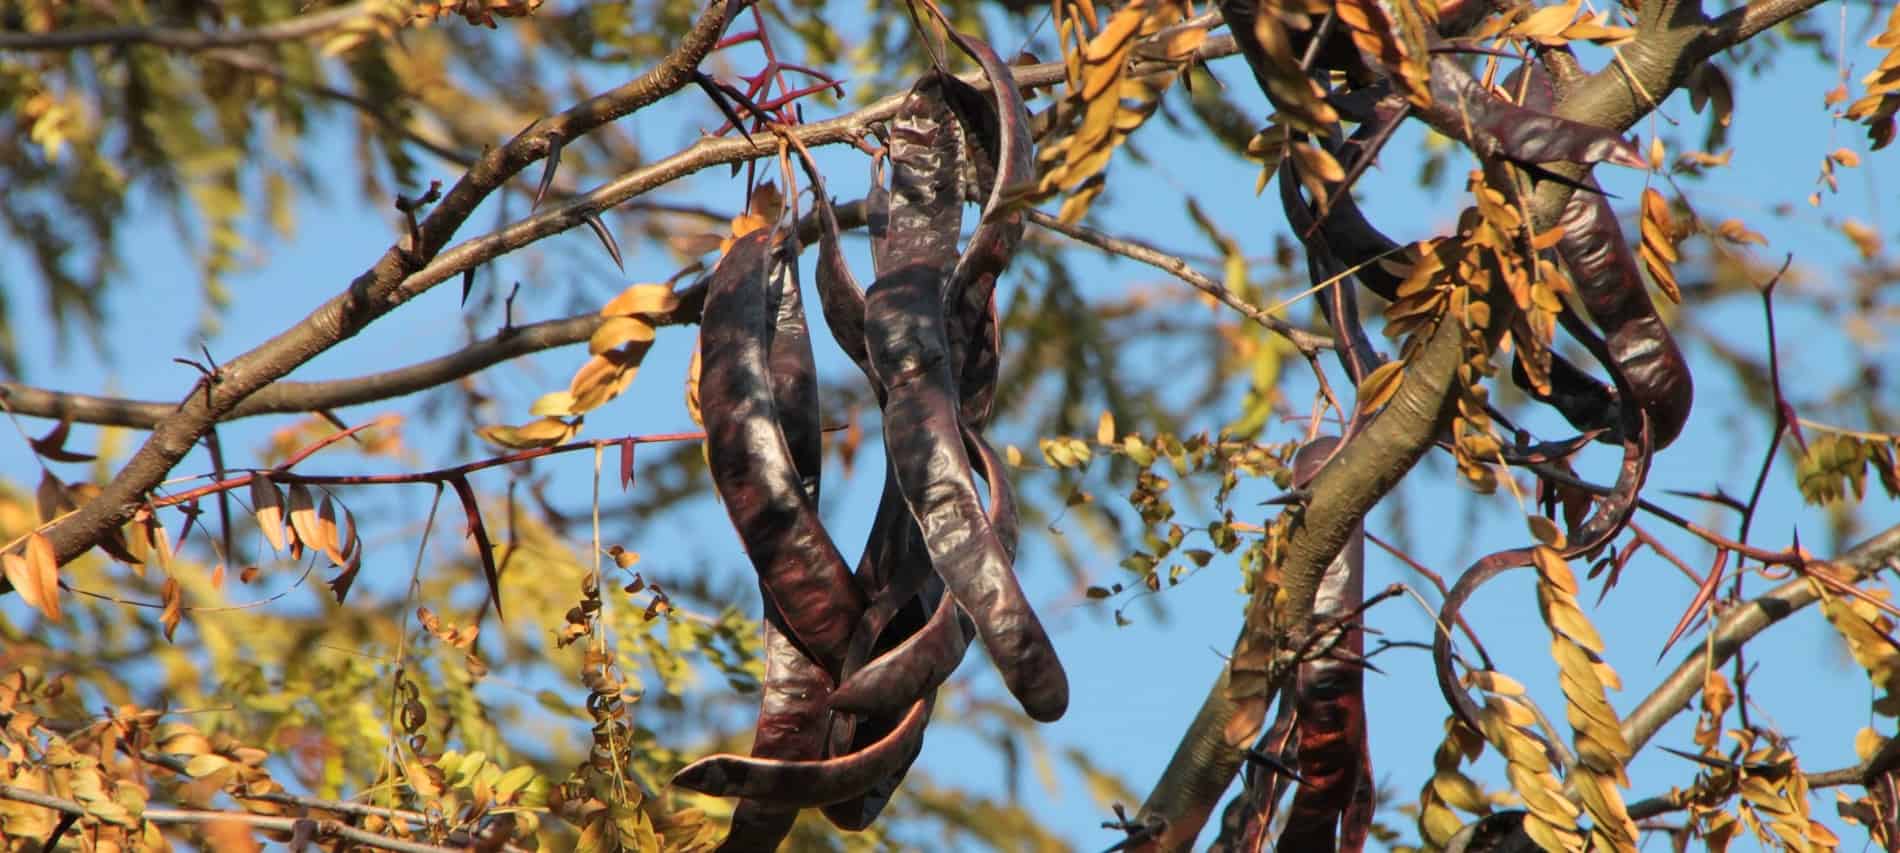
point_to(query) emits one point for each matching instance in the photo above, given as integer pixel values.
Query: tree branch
(375, 293)
(179, 38)
(1739, 626)
(1359, 474)
(284, 397)
(297, 397)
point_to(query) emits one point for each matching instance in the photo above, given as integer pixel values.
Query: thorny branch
(388, 284)
(289, 397)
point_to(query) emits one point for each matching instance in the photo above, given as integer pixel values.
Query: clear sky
(1135, 687)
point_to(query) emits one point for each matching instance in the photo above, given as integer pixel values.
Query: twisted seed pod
(809, 784)
(927, 658)
(753, 466)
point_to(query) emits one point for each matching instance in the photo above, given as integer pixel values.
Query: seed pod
(793, 703)
(926, 659)
(806, 784)
(752, 465)
(905, 338)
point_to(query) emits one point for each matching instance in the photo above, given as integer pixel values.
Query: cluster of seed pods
(854, 658)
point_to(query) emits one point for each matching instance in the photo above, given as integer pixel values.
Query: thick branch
(176, 38)
(1361, 473)
(1739, 626)
(373, 294)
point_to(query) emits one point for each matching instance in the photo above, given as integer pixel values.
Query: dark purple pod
(753, 466)
(1608, 283)
(794, 371)
(916, 666)
(1605, 274)
(926, 211)
(839, 295)
(1464, 109)
(997, 126)
(793, 709)
(809, 784)
(905, 338)
(926, 659)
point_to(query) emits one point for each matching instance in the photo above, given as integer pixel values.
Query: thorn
(555, 143)
(1255, 756)
(1297, 497)
(606, 239)
(468, 284)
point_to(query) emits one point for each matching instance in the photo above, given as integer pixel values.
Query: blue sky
(1135, 687)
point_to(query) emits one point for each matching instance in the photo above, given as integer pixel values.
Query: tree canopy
(1168, 354)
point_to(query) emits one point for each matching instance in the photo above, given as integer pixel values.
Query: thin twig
(1307, 342)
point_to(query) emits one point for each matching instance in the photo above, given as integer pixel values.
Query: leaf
(545, 432)
(51, 499)
(52, 445)
(617, 331)
(330, 545)
(1658, 250)
(267, 506)
(554, 404)
(303, 516)
(513, 781)
(1105, 428)
(1379, 385)
(174, 611)
(205, 764)
(1733, 231)
(1866, 240)
(605, 376)
(641, 299)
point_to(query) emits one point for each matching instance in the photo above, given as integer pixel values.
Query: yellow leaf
(554, 404)
(330, 545)
(303, 516)
(1379, 385)
(205, 764)
(692, 389)
(41, 571)
(1105, 429)
(1548, 21)
(267, 506)
(545, 432)
(616, 331)
(641, 299)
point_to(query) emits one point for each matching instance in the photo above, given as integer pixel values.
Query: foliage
(526, 676)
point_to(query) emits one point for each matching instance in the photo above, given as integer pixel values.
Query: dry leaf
(1105, 429)
(641, 299)
(1658, 249)
(303, 516)
(616, 331)
(174, 612)
(43, 566)
(544, 432)
(267, 506)
(1380, 385)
